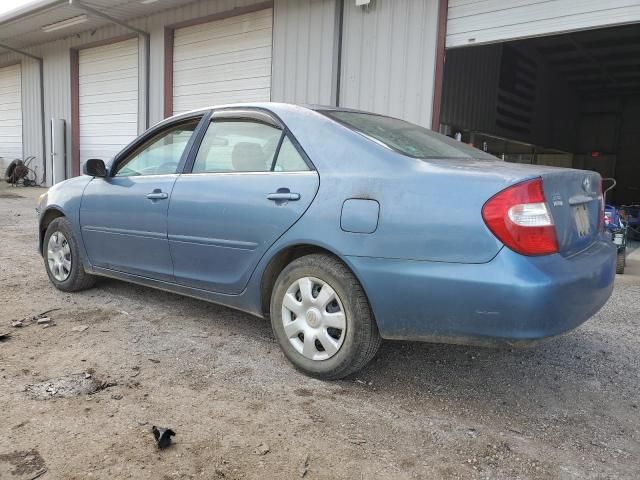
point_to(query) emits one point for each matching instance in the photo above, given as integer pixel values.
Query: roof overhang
(23, 27)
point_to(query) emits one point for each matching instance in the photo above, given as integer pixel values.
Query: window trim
(245, 114)
(135, 146)
(276, 154)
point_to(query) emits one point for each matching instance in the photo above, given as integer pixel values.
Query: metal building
(81, 78)
(553, 82)
(111, 68)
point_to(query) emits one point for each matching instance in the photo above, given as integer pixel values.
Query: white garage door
(10, 114)
(473, 22)
(108, 98)
(224, 61)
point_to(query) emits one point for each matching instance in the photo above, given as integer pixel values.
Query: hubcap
(313, 318)
(59, 256)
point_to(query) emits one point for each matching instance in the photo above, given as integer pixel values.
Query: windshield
(405, 137)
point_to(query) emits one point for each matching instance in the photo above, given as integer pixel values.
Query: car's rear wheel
(321, 318)
(62, 258)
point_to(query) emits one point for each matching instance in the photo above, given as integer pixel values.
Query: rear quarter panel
(427, 212)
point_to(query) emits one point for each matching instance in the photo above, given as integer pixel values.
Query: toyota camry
(340, 226)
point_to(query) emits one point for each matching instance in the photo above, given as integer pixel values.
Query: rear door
(249, 183)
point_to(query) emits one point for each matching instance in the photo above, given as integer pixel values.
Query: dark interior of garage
(570, 100)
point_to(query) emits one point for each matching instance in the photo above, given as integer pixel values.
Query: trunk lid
(574, 198)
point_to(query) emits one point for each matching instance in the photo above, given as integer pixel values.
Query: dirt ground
(565, 409)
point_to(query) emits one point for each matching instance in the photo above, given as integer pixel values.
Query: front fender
(65, 199)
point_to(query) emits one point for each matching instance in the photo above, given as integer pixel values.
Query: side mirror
(94, 167)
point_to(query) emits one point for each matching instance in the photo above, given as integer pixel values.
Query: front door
(124, 216)
(249, 184)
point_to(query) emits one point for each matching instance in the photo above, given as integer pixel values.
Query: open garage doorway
(570, 100)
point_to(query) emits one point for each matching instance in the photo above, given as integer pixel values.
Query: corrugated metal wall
(470, 87)
(473, 22)
(224, 61)
(301, 73)
(471, 94)
(388, 58)
(628, 170)
(155, 25)
(305, 54)
(31, 127)
(10, 114)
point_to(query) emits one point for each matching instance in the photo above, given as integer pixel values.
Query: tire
(348, 349)
(620, 262)
(8, 174)
(64, 248)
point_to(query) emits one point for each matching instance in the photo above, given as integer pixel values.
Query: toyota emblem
(586, 184)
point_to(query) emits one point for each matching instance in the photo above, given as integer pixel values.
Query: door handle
(157, 195)
(284, 196)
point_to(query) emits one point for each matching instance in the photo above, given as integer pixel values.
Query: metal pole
(338, 62)
(147, 40)
(40, 61)
(43, 123)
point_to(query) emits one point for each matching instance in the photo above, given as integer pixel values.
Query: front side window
(237, 146)
(406, 138)
(159, 155)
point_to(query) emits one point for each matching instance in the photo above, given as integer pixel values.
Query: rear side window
(246, 146)
(289, 160)
(404, 137)
(237, 146)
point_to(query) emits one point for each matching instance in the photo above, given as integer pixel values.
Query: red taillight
(520, 218)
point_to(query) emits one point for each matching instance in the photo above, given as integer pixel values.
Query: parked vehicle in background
(631, 215)
(617, 228)
(616, 225)
(343, 227)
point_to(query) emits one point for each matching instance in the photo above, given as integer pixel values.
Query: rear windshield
(405, 137)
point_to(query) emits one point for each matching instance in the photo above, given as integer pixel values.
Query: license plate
(581, 216)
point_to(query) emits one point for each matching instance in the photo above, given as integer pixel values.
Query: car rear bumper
(510, 300)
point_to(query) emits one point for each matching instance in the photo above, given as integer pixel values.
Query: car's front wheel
(322, 319)
(62, 258)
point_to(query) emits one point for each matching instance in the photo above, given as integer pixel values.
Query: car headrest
(248, 157)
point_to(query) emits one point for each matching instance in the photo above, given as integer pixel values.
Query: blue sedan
(342, 227)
